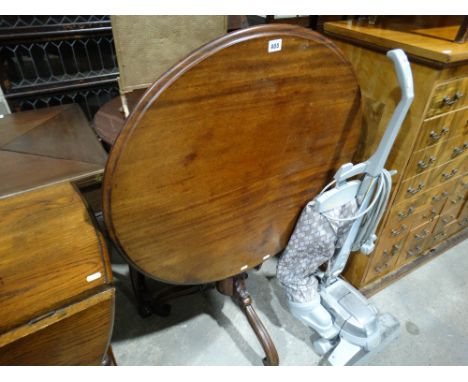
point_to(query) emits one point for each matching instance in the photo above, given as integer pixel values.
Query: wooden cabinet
(56, 301)
(428, 201)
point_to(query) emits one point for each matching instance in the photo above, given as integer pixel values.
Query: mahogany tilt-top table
(212, 168)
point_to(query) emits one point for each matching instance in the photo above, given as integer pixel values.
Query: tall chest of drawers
(428, 202)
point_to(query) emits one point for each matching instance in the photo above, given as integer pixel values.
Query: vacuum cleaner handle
(403, 72)
(376, 162)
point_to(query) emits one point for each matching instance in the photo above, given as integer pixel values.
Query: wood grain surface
(48, 248)
(214, 165)
(77, 334)
(45, 146)
(416, 45)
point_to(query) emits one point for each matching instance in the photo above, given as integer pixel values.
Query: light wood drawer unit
(431, 150)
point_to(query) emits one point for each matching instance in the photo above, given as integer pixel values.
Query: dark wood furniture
(56, 298)
(212, 168)
(55, 295)
(429, 195)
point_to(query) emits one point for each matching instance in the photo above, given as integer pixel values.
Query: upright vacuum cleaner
(340, 220)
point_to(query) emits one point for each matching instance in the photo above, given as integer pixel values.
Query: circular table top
(214, 165)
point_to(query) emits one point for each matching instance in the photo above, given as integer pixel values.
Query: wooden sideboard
(428, 202)
(56, 297)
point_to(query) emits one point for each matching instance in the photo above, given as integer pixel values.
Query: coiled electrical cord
(373, 213)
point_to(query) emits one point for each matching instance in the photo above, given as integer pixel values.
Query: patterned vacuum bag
(313, 242)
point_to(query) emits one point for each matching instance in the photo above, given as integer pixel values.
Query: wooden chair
(214, 165)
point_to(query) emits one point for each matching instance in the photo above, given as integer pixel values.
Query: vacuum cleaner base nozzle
(347, 354)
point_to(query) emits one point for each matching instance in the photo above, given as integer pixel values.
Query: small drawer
(454, 148)
(448, 96)
(416, 243)
(447, 171)
(439, 129)
(436, 155)
(444, 220)
(383, 259)
(425, 216)
(439, 196)
(394, 232)
(424, 160)
(454, 204)
(405, 212)
(413, 187)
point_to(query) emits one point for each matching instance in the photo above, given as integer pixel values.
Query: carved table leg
(235, 288)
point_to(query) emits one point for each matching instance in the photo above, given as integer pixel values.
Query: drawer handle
(431, 215)
(423, 165)
(457, 200)
(436, 136)
(404, 215)
(414, 252)
(394, 232)
(413, 191)
(450, 101)
(395, 249)
(459, 150)
(439, 235)
(445, 220)
(450, 175)
(380, 268)
(422, 235)
(439, 197)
